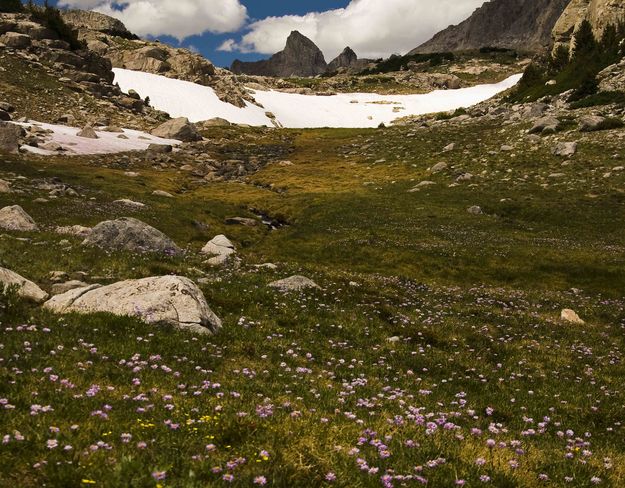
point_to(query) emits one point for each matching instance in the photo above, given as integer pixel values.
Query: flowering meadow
(392, 385)
(432, 354)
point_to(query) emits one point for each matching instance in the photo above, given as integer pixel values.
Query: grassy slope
(474, 300)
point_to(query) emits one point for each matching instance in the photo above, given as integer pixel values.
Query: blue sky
(223, 30)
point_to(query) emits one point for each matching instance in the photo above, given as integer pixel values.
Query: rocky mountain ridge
(523, 25)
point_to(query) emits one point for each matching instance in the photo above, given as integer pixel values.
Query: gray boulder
(294, 283)
(565, 149)
(180, 129)
(25, 288)
(545, 125)
(128, 234)
(171, 300)
(88, 132)
(10, 135)
(15, 218)
(592, 123)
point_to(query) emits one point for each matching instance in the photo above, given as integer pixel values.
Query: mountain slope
(524, 25)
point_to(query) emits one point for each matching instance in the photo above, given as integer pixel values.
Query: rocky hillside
(600, 13)
(524, 25)
(300, 57)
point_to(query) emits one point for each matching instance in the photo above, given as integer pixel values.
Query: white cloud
(177, 18)
(373, 28)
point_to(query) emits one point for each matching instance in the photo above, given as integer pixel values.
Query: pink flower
(260, 480)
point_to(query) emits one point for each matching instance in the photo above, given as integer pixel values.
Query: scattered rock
(220, 248)
(565, 149)
(74, 230)
(130, 203)
(128, 234)
(161, 193)
(88, 133)
(449, 147)
(294, 283)
(568, 315)
(25, 288)
(5, 187)
(438, 167)
(15, 218)
(180, 129)
(475, 210)
(593, 123)
(545, 125)
(160, 148)
(170, 300)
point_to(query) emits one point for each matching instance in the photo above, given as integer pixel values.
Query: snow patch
(107, 142)
(196, 102)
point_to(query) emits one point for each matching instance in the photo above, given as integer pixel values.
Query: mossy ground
(311, 378)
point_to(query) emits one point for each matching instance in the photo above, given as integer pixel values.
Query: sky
(224, 30)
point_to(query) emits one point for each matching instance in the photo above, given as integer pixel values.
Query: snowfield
(196, 102)
(107, 142)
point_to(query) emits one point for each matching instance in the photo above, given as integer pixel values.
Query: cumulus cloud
(373, 28)
(177, 18)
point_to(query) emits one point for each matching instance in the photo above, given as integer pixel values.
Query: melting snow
(107, 142)
(196, 102)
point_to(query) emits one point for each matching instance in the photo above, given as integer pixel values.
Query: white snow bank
(197, 102)
(107, 142)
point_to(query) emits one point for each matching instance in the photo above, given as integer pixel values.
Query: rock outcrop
(600, 13)
(221, 250)
(94, 21)
(170, 300)
(300, 57)
(24, 288)
(128, 234)
(524, 25)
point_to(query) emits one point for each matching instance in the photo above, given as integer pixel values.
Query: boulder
(220, 248)
(294, 283)
(88, 132)
(438, 167)
(10, 135)
(545, 125)
(169, 300)
(5, 187)
(475, 210)
(568, 315)
(160, 148)
(593, 123)
(16, 40)
(565, 149)
(128, 234)
(180, 129)
(25, 288)
(15, 218)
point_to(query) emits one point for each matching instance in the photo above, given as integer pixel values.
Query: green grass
(474, 300)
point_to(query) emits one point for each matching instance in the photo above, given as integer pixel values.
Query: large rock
(25, 288)
(294, 283)
(221, 250)
(128, 234)
(300, 57)
(600, 14)
(16, 40)
(170, 300)
(568, 315)
(15, 218)
(10, 135)
(180, 129)
(525, 25)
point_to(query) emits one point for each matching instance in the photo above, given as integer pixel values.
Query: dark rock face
(300, 57)
(346, 59)
(525, 25)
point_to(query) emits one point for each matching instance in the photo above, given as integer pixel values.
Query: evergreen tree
(584, 41)
(11, 6)
(560, 58)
